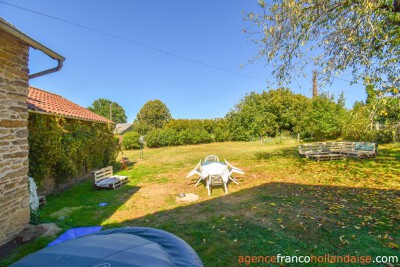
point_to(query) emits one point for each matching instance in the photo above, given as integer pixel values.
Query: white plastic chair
(215, 180)
(233, 169)
(197, 171)
(212, 158)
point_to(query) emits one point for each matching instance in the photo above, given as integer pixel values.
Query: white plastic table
(214, 168)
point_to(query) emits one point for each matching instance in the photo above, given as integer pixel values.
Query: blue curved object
(121, 247)
(74, 233)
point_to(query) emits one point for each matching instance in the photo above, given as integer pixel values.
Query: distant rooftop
(43, 101)
(120, 128)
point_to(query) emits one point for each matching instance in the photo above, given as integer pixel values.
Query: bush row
(170, 137)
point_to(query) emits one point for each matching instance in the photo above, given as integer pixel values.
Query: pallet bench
(337, 150)
(327, 156)
(105, 179)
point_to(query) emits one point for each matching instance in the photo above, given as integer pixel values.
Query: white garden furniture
(215, 173)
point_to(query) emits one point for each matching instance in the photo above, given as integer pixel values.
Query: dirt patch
(153, 190)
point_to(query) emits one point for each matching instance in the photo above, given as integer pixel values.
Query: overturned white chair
(215, 180)
(197, 171)
(233, 169)
(212, 158)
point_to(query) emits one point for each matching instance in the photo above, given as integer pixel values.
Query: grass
(284, 204)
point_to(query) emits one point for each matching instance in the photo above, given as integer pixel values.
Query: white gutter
(36, 45)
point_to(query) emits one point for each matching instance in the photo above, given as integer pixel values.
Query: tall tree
(153, 115)
(101, 106)
(325, 120)
(268, 113)
(332, 35)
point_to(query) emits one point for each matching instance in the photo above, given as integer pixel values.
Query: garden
(284, 204)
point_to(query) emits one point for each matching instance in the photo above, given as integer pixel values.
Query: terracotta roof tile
(40, 100)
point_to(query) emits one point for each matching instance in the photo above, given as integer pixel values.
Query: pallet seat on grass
(105, 179)
(338, 150)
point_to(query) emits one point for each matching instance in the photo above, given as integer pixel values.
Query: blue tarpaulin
(74, 233)
(121, 247)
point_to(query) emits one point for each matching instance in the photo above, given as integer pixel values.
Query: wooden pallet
(105, 179)
(329, 156)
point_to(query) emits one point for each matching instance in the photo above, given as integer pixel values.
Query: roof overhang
(65, 116)
(34, 44)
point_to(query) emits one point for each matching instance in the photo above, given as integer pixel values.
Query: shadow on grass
(285, 218)
(77, 206)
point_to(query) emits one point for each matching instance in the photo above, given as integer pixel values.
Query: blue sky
(98, 66)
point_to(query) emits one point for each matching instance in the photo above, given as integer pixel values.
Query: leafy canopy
(101, 106)
(334, 35)
(325, 119)
(267, 113)
(153, 115)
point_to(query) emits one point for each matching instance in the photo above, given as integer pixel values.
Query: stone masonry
(14, 194)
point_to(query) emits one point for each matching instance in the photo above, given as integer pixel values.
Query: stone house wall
(14, 194)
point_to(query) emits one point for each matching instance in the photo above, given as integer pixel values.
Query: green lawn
(284, 204)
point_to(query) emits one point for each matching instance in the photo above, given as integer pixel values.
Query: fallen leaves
(392, 245)
(343, 241)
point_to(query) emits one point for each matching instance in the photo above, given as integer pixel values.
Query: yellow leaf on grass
(392, 245)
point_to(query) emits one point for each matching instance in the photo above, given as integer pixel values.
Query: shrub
(195, 136)
(153, 139)
(62, 148)
(162, 138)
(220, 135)
(170, 137)
(130, 140)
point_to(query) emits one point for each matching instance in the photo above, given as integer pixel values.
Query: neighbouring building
(121, 128)
(14, 80)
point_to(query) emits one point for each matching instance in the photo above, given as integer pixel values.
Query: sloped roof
(120, 128)
(43, 101)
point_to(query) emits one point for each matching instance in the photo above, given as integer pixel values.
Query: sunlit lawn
(284, 204)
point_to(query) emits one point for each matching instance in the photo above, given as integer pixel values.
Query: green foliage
(153, 115)
(162, 138)
(333, 36)
(326, 117)
(184, 124)
(130, 140)
(195, 136)
(378, 120)
(101, 106)
(267, 114)
(217, 128)
(64, 148)
(170, 137)
(188, 132)
(358, 126)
